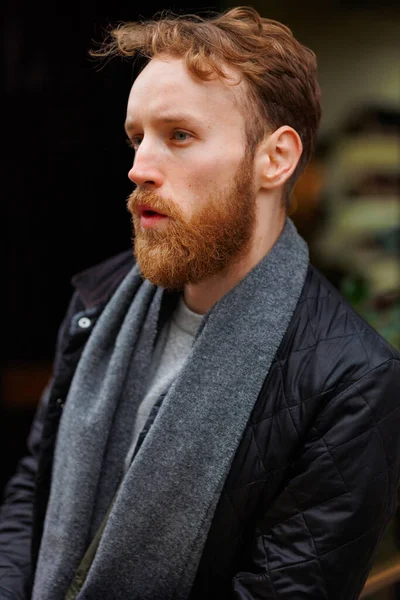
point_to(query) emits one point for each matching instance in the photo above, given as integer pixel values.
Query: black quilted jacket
(313, 484)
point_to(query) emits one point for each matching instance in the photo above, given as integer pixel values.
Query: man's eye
(181, 136)
(134, 142)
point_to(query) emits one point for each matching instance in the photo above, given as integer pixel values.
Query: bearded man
(220, 423)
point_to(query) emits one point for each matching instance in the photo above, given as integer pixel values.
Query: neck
(200, 297)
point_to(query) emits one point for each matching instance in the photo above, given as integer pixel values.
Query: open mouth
(147, 211)
(150, 213)
(149, 217)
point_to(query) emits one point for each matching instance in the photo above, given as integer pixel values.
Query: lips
(149, 217)
(146, 210)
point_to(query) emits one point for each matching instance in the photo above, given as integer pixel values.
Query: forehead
(165, 86)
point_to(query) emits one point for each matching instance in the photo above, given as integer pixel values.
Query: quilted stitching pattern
(313, 483)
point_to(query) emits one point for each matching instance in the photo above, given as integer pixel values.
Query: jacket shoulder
(330, 316)
(97, 283)
(328, 345)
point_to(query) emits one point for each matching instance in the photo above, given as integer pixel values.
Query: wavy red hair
(279, 73)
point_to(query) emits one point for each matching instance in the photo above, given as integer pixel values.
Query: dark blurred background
(64, 180)
(65, 164)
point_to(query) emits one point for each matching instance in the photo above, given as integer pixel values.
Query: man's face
(194, 207)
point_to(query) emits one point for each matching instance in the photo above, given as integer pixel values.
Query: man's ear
(277, 157)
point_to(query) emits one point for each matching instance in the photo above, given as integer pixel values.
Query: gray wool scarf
(155, 533)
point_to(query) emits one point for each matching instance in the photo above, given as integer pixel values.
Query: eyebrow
(169, 118)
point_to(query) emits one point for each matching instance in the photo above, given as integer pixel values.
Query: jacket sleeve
(16, 516)
(16, 511)
(317, 540)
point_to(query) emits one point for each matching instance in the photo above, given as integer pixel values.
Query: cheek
(195, 180)
(212, 175)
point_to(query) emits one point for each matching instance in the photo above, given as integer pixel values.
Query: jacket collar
(97, 283)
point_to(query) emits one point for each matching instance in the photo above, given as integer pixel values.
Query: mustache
(153, 201)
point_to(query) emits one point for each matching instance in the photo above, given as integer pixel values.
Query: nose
(145, 171)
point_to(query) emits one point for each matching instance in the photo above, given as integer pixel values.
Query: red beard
(188, 250)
